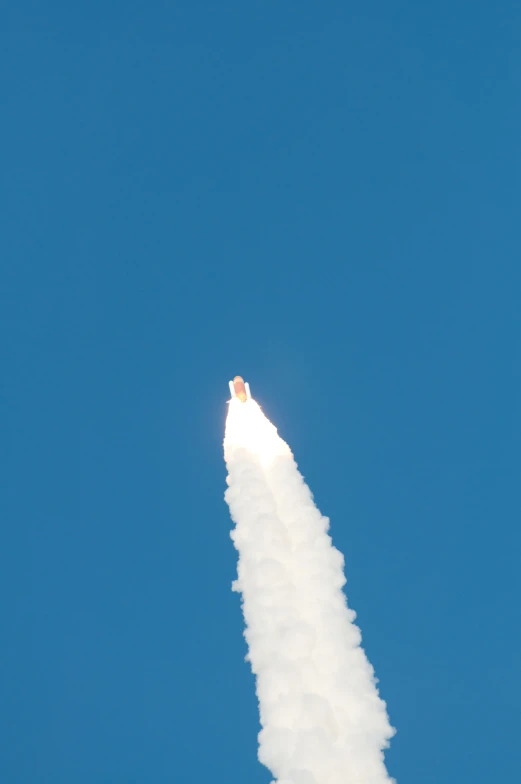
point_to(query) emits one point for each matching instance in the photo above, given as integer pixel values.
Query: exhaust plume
(322, 719)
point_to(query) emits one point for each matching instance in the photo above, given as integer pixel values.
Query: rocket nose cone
(238, 378)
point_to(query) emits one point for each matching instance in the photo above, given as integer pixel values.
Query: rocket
(240, 389)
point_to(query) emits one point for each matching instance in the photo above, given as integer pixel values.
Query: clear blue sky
(323, 197)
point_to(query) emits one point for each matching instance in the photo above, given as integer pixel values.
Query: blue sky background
(323, 197)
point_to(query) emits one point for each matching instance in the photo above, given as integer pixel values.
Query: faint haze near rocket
(322, 719)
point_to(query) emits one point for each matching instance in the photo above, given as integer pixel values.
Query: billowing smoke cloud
(322, 719)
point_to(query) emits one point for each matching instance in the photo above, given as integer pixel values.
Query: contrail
(322, 719)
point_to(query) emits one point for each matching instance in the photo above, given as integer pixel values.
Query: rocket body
(240, 389)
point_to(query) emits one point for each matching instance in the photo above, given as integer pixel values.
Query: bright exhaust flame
(322, 719)
(247, 426)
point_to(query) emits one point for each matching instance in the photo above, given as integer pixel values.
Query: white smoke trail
(322, 719)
